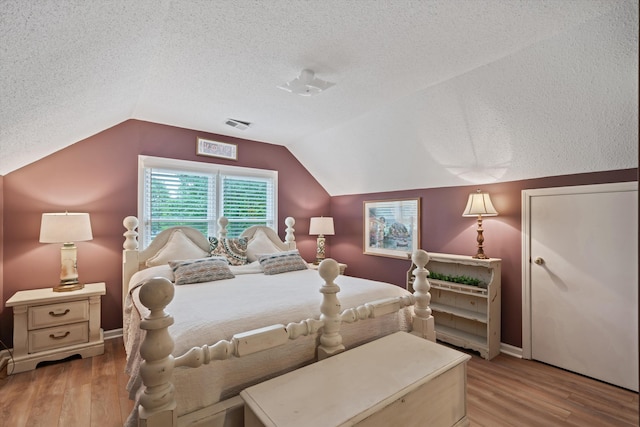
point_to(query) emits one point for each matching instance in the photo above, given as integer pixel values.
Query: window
(179, 192)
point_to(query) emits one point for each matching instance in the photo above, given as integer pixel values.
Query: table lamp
(66, 228)
(479, 204)
(321, 226)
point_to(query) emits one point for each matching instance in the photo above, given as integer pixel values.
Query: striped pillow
(282, 262)
(200, 270)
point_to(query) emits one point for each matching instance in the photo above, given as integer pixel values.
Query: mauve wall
(99, 175)
(443, 229)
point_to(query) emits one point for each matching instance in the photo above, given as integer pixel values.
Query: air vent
(240, 125)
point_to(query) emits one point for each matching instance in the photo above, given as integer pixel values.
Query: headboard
(133, 259)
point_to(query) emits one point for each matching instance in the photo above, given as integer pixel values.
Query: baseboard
(113, 333)
(511, 350)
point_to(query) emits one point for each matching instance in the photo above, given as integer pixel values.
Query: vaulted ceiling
(428, 93)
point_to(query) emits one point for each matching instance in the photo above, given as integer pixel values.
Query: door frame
(527, 196)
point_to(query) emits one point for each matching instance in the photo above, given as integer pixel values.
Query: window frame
(190, 166)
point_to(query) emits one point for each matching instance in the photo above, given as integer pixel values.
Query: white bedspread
(207, 312)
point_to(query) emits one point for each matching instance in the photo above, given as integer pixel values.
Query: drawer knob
(51, 313)
(59, 337)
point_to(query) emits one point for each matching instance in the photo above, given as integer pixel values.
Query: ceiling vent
(240, 125)
(306, 84)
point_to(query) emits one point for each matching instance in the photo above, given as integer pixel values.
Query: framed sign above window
(392, 227)
(224, 150)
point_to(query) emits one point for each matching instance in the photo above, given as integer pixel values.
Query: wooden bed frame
(157, 403)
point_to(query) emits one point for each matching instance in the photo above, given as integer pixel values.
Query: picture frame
(392, 227)
(223, 150)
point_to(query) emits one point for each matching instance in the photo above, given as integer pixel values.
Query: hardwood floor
(508, 391)
(503, 392)
(73, 393)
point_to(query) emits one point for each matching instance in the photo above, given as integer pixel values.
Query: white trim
(527, 196)
(113, 333)
(511, 350)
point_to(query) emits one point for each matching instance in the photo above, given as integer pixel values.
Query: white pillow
(178, 247)
(260, 244)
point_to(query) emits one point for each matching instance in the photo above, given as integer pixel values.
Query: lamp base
(68, 287)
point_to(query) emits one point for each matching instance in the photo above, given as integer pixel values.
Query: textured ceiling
(427, 93)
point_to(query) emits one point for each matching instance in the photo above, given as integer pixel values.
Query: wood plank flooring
(506, 391)
(73, 393)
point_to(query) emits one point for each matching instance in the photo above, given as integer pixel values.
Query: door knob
(539, 261)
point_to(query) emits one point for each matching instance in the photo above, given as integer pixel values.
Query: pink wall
(443, 229)
(99, 175)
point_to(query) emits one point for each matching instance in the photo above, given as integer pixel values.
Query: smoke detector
(306, 84)
(238, 124)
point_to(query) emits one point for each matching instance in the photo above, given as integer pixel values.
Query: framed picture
(223, 150)
(392, 227)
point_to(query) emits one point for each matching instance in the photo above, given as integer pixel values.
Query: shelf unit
(466, 316)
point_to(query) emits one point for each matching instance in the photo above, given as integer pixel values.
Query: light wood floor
(504, 392)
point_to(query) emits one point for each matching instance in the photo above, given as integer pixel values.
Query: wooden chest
(398, 380)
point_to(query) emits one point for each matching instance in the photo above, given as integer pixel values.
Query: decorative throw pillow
(178, 247)
(200, 270)
(234, 250)
(282, 262)
(259, 244)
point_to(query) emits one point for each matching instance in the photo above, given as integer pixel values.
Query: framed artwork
(392, 227)
(206, 147)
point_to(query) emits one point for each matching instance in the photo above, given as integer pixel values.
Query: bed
(234, 304)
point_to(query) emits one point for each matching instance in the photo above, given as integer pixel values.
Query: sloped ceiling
(427, 93)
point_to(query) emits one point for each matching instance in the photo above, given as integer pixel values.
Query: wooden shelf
(466, 316)
(457, 337)
(460, 312)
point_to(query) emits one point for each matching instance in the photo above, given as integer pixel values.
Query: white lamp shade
(65, 227)
(479, 204)
(321, 226)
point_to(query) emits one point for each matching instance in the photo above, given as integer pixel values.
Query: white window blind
(177, 192)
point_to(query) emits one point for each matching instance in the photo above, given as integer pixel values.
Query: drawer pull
(51, 313)
(59, 337)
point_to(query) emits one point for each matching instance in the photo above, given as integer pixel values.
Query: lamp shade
(65, 227)
(321, 226)
(479, 204)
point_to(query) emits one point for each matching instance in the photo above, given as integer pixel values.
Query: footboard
(157, 402)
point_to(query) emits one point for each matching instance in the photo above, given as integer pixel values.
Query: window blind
(182, 193)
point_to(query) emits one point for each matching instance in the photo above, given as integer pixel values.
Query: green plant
(464, 280)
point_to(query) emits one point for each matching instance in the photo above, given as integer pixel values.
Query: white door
(581, 280)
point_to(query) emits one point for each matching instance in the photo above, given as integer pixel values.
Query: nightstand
(342, 266)
(51, 325)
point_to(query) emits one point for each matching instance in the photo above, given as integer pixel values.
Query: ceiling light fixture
(306, 84)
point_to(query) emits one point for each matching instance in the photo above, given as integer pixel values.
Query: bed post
(330, 340)
(130, 263)
(222, 231)
(290, 238)
(423, 322)
(157, 403)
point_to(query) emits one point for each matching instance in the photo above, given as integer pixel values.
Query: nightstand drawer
(61, 336)
(45, 316)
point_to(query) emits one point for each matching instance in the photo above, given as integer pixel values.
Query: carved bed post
(330, 340)
(129, 253)
(222, 232)
(290, 238)
(423, 322)
(157, 403)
